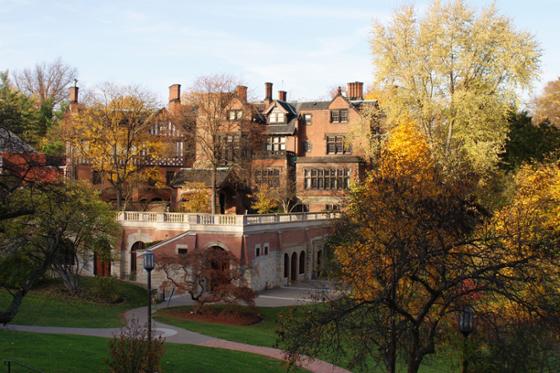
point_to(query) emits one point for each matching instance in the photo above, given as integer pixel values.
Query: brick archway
(137, 246)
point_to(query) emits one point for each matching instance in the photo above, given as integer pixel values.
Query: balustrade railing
(209, 219)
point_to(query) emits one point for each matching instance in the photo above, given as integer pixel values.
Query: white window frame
(181, 246)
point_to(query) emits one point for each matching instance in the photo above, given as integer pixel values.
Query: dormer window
(339, 116)
(277, 117)
(234, 115)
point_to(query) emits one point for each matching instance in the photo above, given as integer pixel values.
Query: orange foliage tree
(112, 133)
(413, 249)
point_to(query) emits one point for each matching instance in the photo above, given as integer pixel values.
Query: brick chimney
(175, 94)
(282, 95)
(268, 92)
(355, 91)
(241, 92)
(73, 98)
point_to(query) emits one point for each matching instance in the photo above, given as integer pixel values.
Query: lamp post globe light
(466, 326)
(149, 264)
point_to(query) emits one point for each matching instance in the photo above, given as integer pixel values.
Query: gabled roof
(285, 106)
(324, 105)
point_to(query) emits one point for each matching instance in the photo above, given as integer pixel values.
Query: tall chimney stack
(282, 95)
(355, 91)
(73, 97)
(360, 90)
(175, 94)
(73, 94)
(241, 92)
(268, 91)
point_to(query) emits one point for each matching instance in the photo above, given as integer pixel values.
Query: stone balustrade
(221, 220)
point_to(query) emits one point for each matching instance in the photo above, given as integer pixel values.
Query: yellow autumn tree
(266, 200)
(196, 198)
(529, 226)
(456, 73)
(111, 132)
(518, 322)
(415, 248)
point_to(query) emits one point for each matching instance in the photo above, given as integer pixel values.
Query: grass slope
(65, 353)
(264, 334)
(260, 334)
(49, 306)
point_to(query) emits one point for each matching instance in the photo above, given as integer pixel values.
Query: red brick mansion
(304, 152)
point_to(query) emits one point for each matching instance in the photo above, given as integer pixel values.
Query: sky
(305, 47)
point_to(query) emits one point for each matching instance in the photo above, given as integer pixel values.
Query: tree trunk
(413, 365)
(213, 202)
(11, 311)
(393, 333)
(70, 280)
(119, 198)
(415, 355)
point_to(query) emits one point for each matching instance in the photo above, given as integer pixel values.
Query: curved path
(173, 334)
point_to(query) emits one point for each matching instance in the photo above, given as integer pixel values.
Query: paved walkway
(271, 298)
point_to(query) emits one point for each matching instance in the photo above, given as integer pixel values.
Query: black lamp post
(466, 326)
(149, 263)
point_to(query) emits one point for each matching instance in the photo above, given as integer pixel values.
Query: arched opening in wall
(137, 246)
(219, 265)
(302, 262)
(294, 264)
(286, 265)
(319, 263)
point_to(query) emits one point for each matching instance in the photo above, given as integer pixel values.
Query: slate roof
(312, 105)
(11, 143)
(295, 107)
(281, 129)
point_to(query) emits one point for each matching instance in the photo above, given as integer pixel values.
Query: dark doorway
(294, 267)
(319, 264)
(302, 263)
(137, 246)
(101, 266)
(286, 265)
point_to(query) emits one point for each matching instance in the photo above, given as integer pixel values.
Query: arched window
(286, 265)
(138, 246)
(257, 251)
(265, 249)
(302, 262)
(293, 269)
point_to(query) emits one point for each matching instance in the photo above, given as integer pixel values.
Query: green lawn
(260, 334)
(263, 334)
(49, 306)
(65, 353)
